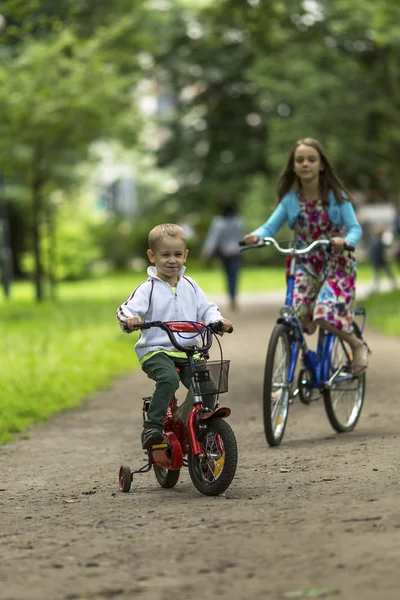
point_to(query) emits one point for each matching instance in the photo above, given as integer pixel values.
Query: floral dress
(324, 286)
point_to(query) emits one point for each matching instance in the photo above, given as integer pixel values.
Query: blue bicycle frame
(316, 362)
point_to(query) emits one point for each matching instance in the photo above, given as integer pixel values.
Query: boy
(168, 295)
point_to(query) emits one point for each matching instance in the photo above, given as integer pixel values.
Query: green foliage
(75, 249)
(242, 81)
(54, 356)
(60, 89)
(72, 91)
(261, 76)
(383, 312)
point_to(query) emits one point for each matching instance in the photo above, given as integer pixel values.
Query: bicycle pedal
(159, 446)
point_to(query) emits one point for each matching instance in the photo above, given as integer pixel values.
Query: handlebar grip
(346, 248)
(149, 324)
(218, 327)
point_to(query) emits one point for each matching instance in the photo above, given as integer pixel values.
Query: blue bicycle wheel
(344, 398)
(276, 392)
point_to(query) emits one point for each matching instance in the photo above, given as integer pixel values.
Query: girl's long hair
(328, 180)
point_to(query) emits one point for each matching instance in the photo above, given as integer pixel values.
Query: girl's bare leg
(359, 348)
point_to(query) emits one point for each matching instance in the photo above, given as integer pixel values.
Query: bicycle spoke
(214, 451)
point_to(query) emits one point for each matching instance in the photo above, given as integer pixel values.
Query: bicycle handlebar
(217, 328)
(266, 241)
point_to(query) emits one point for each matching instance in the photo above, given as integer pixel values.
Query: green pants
(162, 369)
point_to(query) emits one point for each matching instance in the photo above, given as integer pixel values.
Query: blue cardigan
(288, 210)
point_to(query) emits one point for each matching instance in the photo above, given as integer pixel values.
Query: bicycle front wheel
(212, 472)
(276, 391)
(345, 398)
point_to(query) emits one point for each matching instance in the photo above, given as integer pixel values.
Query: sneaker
(151, 437)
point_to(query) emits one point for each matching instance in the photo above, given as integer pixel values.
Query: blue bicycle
(323, 373)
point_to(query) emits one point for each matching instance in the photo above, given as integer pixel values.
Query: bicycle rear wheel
(345, 399)
(276, 391)
(165, 477)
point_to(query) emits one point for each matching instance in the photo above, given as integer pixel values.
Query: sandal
(360, 359)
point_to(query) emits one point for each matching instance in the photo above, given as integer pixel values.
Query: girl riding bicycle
(316, 205)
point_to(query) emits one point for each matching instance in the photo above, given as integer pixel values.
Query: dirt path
(321, 511)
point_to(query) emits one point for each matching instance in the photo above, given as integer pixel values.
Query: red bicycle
(204, 442)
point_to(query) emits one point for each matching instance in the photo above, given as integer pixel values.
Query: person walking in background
(378, 257)
(396, 235)
(222, 240)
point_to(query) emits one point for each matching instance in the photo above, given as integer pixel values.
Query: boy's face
(169, 256)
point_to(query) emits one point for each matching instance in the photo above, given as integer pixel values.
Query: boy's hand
(227, 325)
(132, 322)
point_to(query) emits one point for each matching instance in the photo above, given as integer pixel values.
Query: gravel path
(319, 514)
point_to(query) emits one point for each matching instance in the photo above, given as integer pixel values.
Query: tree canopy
(235, 83)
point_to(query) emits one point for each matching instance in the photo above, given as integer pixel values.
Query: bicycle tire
(348, 395)
(276, 411)
(166, 478)
(211, 475)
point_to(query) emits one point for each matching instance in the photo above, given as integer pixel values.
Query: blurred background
(118, 115)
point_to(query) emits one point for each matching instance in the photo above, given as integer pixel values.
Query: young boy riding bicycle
(167, 295)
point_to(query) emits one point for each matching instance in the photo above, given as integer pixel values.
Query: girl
(316, 205)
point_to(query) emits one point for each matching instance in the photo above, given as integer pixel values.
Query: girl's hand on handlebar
(132, 323)
(337, 245)
(250, 239)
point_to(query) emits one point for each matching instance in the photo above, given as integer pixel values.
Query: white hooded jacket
(155, 300)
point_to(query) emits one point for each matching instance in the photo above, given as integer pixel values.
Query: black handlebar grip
(346, 248)
(218, 327)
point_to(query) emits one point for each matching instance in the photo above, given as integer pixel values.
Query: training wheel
(125, 479)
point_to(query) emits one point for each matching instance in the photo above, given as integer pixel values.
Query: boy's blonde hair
(165, 229)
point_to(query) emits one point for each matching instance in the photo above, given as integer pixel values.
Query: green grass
(383, 312)
(55, 354)
(119, 286)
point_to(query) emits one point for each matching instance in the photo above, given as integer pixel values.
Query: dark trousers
(162, 369)
(231, 266)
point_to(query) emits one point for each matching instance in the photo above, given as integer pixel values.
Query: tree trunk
(52, 251)
(391, 86)
(5, 245)
(37, 205)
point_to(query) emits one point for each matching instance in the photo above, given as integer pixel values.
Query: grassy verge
(55, 354)
(119, 286)
(383, 312)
